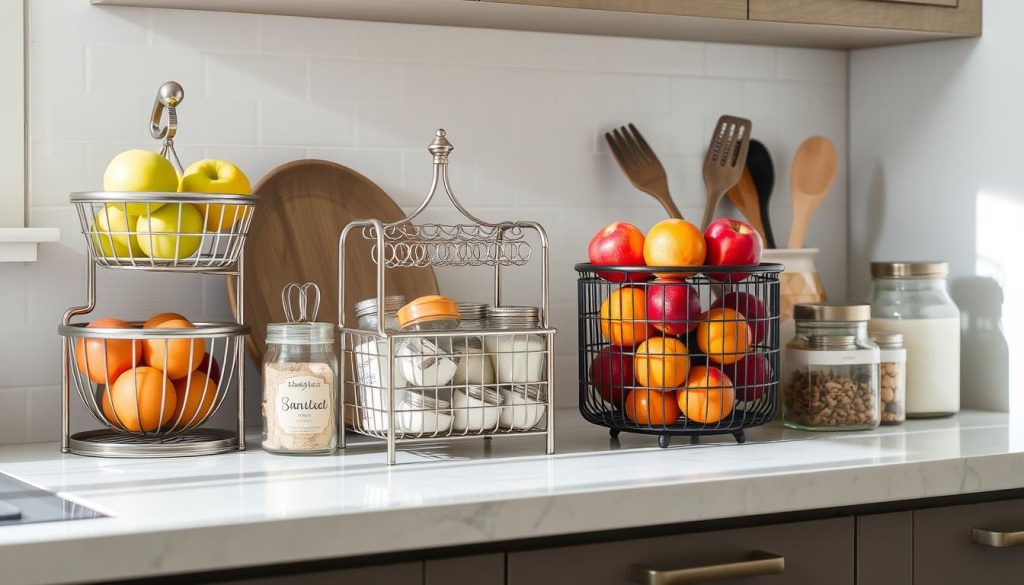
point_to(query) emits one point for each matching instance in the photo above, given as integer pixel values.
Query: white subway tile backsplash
(322, 37)
(210, 31)
(526, 112)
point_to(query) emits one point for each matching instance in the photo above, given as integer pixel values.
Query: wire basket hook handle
(168, 97)
(296, 296)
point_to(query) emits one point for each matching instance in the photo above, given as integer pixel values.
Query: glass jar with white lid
(912, 298)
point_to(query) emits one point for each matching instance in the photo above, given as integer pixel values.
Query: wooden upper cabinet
(707, 8)
(958, 17)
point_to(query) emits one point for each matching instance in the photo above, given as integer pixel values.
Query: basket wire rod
(391, 399)
(240, 348)
(90, 304)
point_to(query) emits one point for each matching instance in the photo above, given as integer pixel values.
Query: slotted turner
(641, 165)
(724, 161)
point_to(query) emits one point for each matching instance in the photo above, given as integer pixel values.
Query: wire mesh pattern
(106, 371)
(189, 233)
(462, 245)
(450, 385)
(682, 353)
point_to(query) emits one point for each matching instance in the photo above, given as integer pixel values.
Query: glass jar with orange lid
(427, 360)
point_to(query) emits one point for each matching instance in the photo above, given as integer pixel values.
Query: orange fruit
(674, 242)
(176, 357)
(195, 404)
(160, 318)
(103, 360)
(624, 317)
(661, 362)
(651, 406)
(708, 397)
(724, 336)
(142, 398)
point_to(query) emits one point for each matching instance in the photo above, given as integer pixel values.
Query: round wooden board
(302, 209)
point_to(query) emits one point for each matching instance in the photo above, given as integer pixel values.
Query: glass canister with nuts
(893, 376)
(831, 376)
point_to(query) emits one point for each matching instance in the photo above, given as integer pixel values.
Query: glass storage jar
(519, 358)
(300, 389)
(427, 360)
(892, 376)
(830, 381)
(912, 298)
(366, 312)
(474, 368)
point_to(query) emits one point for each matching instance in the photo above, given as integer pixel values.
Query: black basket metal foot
(613, 433)
(664, 440)
(740, 436)
(695, 439)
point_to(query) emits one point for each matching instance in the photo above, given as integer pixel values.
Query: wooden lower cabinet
(815, 552)
(884, 549)
(488, 569)
(944, 552)
(410, 573)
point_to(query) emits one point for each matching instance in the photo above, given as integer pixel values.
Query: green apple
(140, 170)
(160, 236)
(216, 176)
(121, 239)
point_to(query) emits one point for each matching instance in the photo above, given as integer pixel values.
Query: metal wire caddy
(619, 377)
(384, 404)
(134, 428)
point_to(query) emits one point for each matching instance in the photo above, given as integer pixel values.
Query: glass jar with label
(300, 389)
(912, 298)
(892, 376)
(831, 376)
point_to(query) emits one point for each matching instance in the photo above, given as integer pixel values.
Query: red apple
(618, 244)
(750, 307)
(611, 373)
(751, 376)
(672, 306)
(210, 367)
(731, 242)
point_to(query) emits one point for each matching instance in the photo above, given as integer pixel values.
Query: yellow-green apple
(216, 176)
(618, 244)
(160, 236)
(752, 310)
(673, 306)
(731, 242)
(114, 237)
(611, 373)
(140, 170)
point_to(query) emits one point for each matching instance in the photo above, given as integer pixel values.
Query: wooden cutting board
(304, 205)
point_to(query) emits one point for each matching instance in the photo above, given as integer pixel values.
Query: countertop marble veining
(242, 509)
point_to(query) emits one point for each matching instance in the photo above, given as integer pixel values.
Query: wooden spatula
(744, 196)
(724, 161)
(814, 171)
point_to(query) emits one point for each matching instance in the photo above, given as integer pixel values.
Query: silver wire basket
(386, 393)
(103, 365)
(114, 242)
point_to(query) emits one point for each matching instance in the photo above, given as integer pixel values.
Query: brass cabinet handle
(996, 539)
(758, 563)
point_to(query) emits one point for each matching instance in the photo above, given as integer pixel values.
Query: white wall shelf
(21, 244)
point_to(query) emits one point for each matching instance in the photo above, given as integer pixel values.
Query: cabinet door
(885, 544)
(938, 16)
(486, 569)
(396, 574)
(736, 9)
(945, 551)
(820, 551)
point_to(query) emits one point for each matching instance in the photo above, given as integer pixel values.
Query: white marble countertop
(243, 509)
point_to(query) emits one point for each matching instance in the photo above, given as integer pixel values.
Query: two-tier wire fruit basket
(507, 384)
(153, 385)
(687, 351)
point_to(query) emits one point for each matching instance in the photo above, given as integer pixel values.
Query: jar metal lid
(391, 305)
(513, 315)
(428, 308)
(819, 312)
(887, 339)
(489, 396)
(300, 333)
(832, 342)
(909, 269)
(472, 311)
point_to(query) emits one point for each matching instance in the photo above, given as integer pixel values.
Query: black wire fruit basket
(684, 351)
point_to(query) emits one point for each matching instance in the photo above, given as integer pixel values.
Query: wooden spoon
(744, 196)
(814, 170)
